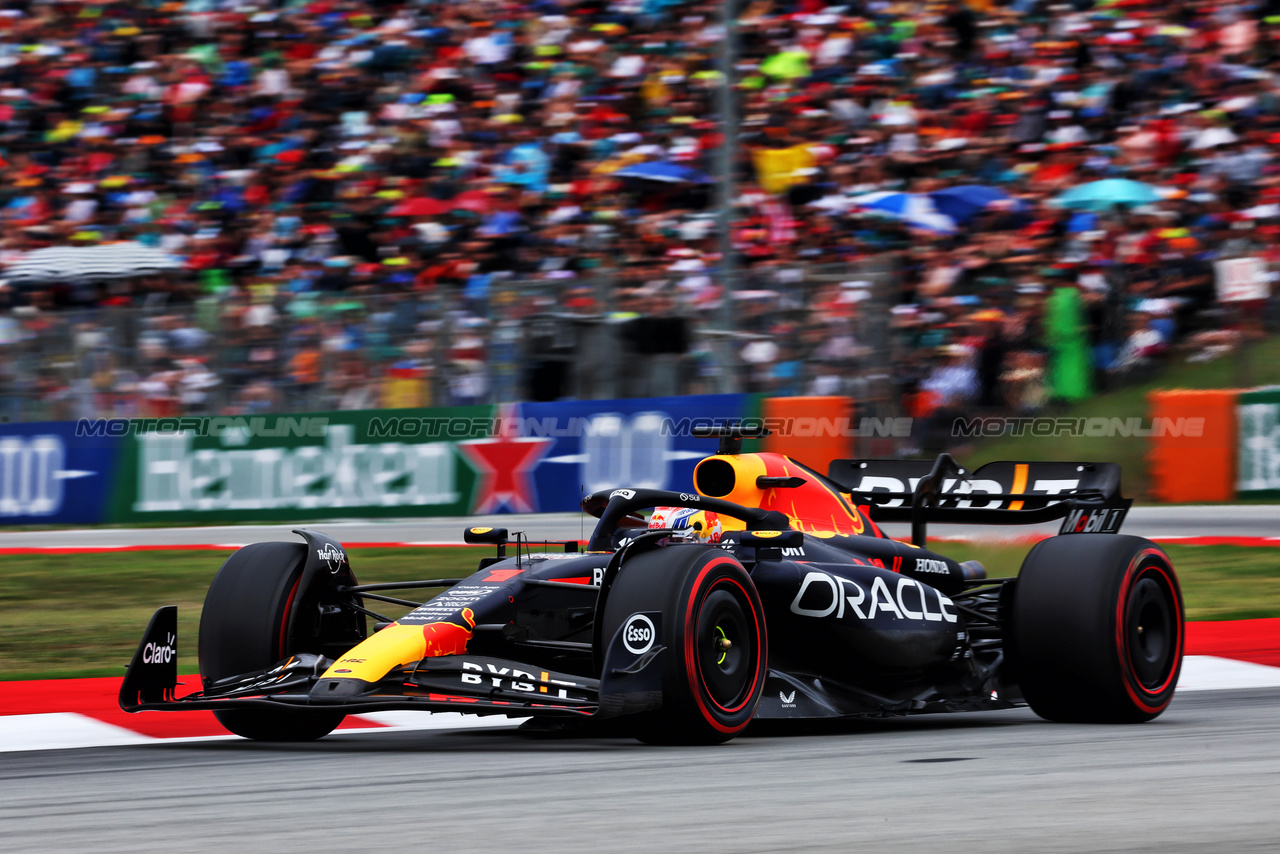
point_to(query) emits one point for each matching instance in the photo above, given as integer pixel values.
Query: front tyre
(716, 649)
(1098, 629)
(244, 628)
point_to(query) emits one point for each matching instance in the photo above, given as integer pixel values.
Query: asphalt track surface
(1179, 521)
(1203, 777)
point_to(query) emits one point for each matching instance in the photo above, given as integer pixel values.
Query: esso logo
(638, 634)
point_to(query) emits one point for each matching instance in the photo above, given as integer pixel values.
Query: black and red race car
(768, 591)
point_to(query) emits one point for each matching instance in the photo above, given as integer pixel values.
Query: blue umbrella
(1107, 193)
(667, 173)
(1082, 222)
(965, 202)
(914, 209)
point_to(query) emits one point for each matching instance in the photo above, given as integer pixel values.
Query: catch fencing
(527, 340)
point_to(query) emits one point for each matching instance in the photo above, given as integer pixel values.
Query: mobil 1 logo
(1104, 520)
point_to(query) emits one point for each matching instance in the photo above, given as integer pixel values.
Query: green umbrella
(215, 280)
(208, 56)
(1105, 194)
(303, 307)
(1068, 372)
(787, 65)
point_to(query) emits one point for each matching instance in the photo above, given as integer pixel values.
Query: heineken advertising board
(1258, 414)
(281, 468)
(519, 458)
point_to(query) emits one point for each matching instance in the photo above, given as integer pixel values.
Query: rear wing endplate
(1086, 496)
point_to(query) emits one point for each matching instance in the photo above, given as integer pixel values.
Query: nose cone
(378, 655)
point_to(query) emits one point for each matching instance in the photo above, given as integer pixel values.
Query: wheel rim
(726, 648)
(1151, 630)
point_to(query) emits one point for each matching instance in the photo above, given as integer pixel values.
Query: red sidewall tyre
(1152, 694)
(730, 713)
(1097, 629)
(715, 660)
(244, 628)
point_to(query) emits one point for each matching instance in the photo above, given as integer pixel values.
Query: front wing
(485, 685)
(454, 683)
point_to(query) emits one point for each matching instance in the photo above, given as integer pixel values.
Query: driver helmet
(688, 522)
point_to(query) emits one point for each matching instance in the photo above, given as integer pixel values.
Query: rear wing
(1086, 496)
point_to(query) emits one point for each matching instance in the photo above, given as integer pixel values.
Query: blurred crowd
(351, 188)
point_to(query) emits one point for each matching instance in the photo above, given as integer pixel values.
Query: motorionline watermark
(611, 424)
(1097, 427)
(799, 426)
(240, 426)
(428, 427)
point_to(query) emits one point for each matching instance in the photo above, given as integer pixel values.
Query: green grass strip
(83, 614)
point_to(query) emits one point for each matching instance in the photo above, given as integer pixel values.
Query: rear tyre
(1098, 629)
(244, 628)
(716, 657)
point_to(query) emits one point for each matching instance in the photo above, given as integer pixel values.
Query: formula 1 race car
(767, 592)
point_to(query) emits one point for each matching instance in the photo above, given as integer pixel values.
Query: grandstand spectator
(313, 163)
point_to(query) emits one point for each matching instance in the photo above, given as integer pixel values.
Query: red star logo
(503, 465)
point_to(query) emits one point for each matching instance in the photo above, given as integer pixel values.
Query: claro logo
(824, 595)
(154, 653)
